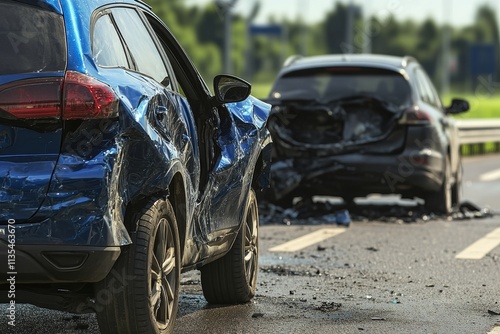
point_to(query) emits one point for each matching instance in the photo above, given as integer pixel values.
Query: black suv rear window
(336, 83)
(31, 39)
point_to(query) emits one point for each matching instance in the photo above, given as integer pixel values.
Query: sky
(457, 12)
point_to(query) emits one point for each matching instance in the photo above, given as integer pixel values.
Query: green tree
(335, 30)
(428, 48)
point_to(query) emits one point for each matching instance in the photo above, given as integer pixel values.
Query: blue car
(119, 169)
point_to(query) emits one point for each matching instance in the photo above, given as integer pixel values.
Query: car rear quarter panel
(104, 164)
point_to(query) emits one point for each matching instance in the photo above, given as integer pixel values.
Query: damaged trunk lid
(32, 65)
(325, 111)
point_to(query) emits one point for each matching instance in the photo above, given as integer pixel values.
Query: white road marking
(481, 247)
(490, 176)
(307, 240)
(495, 330)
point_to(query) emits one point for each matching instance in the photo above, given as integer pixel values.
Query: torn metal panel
(103, 165)
(28, 160)
(221, 207)
(332, 128)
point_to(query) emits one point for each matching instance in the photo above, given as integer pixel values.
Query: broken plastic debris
(321, 212)
(343, 218)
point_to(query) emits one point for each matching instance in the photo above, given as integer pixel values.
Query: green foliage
(481, 106)
(201, 31)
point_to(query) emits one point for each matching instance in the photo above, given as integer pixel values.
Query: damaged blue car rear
(119, 169)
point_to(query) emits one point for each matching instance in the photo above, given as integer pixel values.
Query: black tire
(456, 189)
(232, 278)
(440, 202)
(131, 287)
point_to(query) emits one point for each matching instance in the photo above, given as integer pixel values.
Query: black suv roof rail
(292, 59)
(406, 60)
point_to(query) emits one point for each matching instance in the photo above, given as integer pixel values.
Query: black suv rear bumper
(57, 263)
(357, 174)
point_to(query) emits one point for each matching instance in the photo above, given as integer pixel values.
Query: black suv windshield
(336, 83)
(31, 39)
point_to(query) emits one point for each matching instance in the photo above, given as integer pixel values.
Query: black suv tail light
(415, 116)
(32, 98)
(87, 98)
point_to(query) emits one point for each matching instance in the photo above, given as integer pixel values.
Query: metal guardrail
(479, 136)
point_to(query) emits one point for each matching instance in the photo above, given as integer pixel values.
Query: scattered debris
(468, 210)
(257, 315)
(329, 307)
(311, 212)
(191, 282)
(372, 249)
(287, 271)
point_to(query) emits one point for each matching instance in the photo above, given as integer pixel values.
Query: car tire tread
(127, 311)
(225, 281)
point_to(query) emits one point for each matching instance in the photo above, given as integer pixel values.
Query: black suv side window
(426, 89)
(107, 48)
(434, 97)
(144, 52)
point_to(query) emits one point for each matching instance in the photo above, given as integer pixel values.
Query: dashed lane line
(495, 330)
(308, 240)
(490, 176)
(481, 247)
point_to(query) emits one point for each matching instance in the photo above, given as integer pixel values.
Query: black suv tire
(440, 202)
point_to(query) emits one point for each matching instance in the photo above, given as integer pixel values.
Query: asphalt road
(372, 277)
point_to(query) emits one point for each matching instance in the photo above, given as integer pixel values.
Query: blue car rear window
(32, 39)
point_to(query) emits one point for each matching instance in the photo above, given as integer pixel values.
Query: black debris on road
(318, 213)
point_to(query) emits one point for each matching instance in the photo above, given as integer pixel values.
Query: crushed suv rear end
(344, 130)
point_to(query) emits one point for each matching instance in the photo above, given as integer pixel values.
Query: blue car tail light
(32, 98)
(83, 98)
(87, 98)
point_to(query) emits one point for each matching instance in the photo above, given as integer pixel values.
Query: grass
(482, 106)
(261, 90)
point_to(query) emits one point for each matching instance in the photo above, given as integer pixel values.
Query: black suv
(119, 169)
(352, 125)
